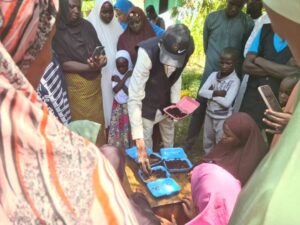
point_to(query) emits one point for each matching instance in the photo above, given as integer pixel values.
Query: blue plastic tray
(172, 153)
(140, 172)
(132, 153)
(169, 154)
(163, 187)
(158, 162)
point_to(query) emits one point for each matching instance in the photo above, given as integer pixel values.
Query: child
(220, 89)
(285, 89)
(119, 132)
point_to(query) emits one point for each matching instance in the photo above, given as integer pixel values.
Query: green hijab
(85, 128)
(271, 197)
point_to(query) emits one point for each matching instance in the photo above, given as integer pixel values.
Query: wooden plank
(135, 183)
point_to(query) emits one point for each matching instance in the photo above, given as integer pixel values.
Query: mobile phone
(99, 50)
(269, 98)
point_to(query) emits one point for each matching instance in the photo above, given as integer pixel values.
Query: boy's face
(122, 65)
(285, 89)
(227, 64)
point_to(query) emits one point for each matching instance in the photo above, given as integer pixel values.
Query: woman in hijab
(120, 132)
(139, 29)
(214, 193)
(48, 175)
(74, 42)
(122, 8)
(241, 149)
(108, 30)
(272, 194)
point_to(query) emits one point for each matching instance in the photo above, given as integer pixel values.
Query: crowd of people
(75, 93)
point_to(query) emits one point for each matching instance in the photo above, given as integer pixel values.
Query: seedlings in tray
(177, 164)
(156, 174)
(153, 159)
(176, 112)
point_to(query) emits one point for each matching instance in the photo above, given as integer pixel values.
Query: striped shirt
(53, 91)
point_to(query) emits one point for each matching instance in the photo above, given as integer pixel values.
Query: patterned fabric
(119, 131)
(53, 91)
(85, 100)
(48, 175)
(28, 27)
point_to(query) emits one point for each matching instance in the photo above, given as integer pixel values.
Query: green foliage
(87, 6)
(196, 12)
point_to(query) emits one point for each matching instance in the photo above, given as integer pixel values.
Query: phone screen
(99, 50)
(269, 98)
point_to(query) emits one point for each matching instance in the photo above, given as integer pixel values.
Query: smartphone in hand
(269, 98)
(99, 50)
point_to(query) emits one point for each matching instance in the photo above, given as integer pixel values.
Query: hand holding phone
(269, 98)
(99, 50)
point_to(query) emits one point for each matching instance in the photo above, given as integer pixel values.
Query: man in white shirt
(156, 84)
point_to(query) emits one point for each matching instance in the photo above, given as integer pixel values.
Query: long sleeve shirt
(220, 107)
(220, 32)
(137, 93)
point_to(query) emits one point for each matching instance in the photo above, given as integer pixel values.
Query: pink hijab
(214, 193)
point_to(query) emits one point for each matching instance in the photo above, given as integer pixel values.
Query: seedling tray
(176, 155)
(133, 154)
(155, 175)
(163, 187)
(182, 109)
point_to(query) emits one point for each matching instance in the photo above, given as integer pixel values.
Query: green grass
(190, 83)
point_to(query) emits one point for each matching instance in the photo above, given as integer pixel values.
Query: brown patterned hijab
(240, 160)
(129, 39)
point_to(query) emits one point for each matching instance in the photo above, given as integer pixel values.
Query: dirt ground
(196, 152)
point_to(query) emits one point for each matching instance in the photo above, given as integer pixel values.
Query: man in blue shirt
(267, 62)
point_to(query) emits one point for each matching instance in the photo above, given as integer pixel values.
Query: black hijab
(74, 41)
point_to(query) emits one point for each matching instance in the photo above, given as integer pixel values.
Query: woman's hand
(97, 63)
(164, 221)
(277, 121)
(189, 208)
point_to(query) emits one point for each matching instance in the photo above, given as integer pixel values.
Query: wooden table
(164, 207)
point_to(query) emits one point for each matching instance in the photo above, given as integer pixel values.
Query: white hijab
(108, 34)
(123, 54)
(121, 97)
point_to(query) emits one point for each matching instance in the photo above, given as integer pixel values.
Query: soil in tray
(156, 174)
(177, 164)
(153, 159)
(176, 112)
